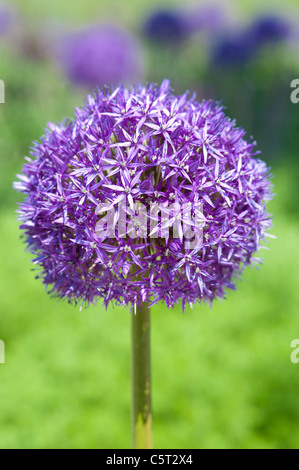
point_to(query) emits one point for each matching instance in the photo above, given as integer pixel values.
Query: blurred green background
(222, 377)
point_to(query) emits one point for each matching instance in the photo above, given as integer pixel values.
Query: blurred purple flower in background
(234, 50)
(173, 26)
(165, 26)
(268, 29)
(101, 55)
(144, 146)
(8, 18)
(207, 17)
(239, 48)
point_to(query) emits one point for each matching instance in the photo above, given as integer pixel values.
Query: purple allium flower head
(140, 147)
(165, 27)
(101, 55)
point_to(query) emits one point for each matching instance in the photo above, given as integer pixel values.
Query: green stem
(142, 436)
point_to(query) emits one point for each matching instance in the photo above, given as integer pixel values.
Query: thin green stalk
(142, 435)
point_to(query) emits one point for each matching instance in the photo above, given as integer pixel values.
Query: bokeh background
(222, 377)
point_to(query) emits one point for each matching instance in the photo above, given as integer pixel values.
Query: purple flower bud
(101, 55)
(115, 195)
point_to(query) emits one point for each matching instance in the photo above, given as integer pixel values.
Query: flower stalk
(141, 410)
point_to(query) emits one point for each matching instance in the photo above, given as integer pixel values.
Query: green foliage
(222, 377)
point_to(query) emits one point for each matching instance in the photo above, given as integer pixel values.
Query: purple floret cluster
(143, 145)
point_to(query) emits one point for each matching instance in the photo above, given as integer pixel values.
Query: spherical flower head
(144, 196)
(101, 55)
(165, 27)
